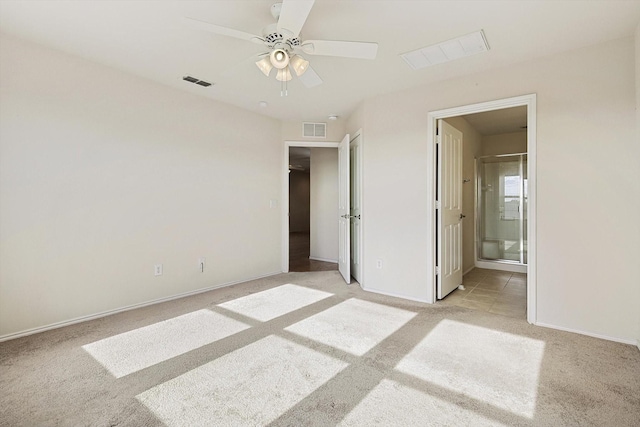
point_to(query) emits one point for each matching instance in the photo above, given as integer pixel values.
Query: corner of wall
(637, 40)
(637, 46)
(355, 121)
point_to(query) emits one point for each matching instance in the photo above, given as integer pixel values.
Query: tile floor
(499, 292)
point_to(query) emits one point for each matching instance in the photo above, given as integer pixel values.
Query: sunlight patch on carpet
(491, 366)
(393, 404)
(140, 348)
(275, 302)
(355, 326)
(253, 385)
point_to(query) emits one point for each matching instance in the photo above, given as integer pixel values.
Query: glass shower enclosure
(502, 208)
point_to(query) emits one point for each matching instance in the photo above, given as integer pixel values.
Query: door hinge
(438, 139)
(437, 270)
(437, 204)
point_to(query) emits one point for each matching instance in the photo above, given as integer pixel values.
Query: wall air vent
(196, 81)
(314, 130)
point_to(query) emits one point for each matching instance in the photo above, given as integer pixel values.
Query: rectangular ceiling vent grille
(196, 81)
(468, 45)
(314, 130)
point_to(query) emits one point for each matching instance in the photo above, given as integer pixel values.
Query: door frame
(433, 116)
(344, 208)
(360, 243)
(285, 193)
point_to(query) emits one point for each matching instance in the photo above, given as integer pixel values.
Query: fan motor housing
(280, 39)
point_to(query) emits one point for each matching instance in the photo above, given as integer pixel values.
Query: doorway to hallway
(313, 198)
(349, 211)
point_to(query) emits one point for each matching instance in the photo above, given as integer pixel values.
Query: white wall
(324, 204)
(588, 163)
(471, 140)
(103, 174)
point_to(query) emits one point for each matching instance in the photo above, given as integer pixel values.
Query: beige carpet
(306, 349)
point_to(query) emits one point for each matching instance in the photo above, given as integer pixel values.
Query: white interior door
(355, 158)
(449, 142)
(344, 220)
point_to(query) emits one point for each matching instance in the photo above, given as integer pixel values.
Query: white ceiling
(148, 38)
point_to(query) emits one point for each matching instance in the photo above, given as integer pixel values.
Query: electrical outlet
(157, 270)
(379, 263)
(201, 262)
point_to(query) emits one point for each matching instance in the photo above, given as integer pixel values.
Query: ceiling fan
(285, 45)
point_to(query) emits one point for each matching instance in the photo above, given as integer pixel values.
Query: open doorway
(313, 193)
(349, 204)
(494, 190)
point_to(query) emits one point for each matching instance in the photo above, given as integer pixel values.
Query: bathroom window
(511, 185)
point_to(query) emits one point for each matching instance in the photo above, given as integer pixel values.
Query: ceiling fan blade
(293, 15)
(310, 78)
(361, 50)
(218, 29)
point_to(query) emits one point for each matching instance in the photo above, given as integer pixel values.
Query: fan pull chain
(283, 88)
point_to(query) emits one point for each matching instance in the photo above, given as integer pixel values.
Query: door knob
(462, 216)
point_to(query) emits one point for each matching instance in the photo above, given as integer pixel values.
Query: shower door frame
(515, 266)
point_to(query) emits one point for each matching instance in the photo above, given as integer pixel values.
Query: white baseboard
(590, 334)
(334, 261)
(121, 309)
(391, 294)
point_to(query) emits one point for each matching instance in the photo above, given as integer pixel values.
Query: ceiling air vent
(196, 81)
(467, 45)
(314, 130)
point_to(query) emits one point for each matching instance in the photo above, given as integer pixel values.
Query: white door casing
(530, 102)
(355, 157)
(344, 214)
(285, 194)
(450, 211)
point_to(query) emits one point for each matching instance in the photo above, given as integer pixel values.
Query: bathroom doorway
(506, 283)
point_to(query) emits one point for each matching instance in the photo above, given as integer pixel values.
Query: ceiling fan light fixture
(284, 75)
(279, 58)
(299, 64)
(265, 66)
